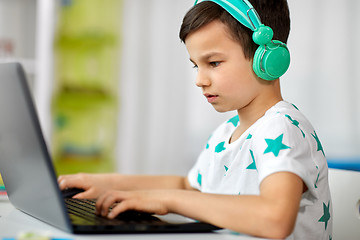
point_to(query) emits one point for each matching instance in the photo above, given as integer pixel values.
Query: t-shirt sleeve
(281, 146)
(194, 177)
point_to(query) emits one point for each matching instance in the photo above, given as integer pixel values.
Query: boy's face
(224, 74)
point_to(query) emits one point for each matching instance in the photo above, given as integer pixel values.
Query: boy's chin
(222, 110)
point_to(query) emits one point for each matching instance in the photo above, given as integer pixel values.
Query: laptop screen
(25, 163)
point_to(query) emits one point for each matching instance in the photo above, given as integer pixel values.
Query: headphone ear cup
(271, 61)
(257, 65)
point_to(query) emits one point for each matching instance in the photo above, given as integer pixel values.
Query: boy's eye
(195, 66)
(214, 64)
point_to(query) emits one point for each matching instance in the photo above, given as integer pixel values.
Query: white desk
(13, 222)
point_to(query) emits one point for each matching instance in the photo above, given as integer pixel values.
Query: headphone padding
(271, 61)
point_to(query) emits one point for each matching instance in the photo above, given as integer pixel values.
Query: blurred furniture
(345, 192)
(345, 163)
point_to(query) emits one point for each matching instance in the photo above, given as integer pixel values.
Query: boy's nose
(202, 80)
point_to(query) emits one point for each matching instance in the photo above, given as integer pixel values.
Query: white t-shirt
(282, 140)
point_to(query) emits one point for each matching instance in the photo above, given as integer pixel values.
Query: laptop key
(85, 209)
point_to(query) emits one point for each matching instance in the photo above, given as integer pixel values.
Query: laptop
(30, 179)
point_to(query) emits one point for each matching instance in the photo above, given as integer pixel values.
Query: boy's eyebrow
(208, 55)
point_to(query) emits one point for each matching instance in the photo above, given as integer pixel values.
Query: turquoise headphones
(272, 58)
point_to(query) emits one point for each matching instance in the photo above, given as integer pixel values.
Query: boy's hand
(143, 201)
(92, 184)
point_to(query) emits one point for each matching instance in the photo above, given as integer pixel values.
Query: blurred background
(115, 90)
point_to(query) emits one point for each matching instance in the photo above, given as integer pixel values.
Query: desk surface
(13, 222)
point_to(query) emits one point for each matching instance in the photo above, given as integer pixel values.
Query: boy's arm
(143, 182)
(272, 214)
(96, 184)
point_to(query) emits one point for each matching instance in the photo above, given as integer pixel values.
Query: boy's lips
(211, 97)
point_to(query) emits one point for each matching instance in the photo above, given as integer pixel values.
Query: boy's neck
(254, 111)
(249, 114)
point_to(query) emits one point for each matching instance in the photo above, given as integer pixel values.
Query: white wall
(26, 25)
(324, 78)
(165, 121)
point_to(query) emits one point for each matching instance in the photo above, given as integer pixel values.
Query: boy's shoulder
(284, 117)
(285, 127)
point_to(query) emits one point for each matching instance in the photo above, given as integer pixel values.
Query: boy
(263, 172)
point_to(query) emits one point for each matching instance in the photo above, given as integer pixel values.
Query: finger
(61, 182)
(83, 195)
(122, 207)
(104, 202)
(88, 194)
(62, 177)
(71, 181)
(68, 183)
(133, 202)
(99, 202)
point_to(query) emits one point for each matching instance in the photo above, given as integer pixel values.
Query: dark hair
(273, 13)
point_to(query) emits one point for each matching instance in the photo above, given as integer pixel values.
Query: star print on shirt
(199, 178)
(207, 144)
(275, 145)
(220, 147)
(295, 107)
(319, 146)
(295, 123)
(253, 164)
(235, 120)
(317, 179)
(226, 169)
(325, 218)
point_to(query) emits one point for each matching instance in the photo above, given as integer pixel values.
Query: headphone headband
(241, 10)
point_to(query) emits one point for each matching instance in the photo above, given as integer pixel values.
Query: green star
(317, 179)
(275, 145)
(199, 178)
(295, 123)
(252, 164)
(319, 146)
(220, 147)
(325, 218)
(207, 144)
(295, 107)
(226, 169)
(234, 120)
(249, 136)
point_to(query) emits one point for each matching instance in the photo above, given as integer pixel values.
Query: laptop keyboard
(82, 212)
